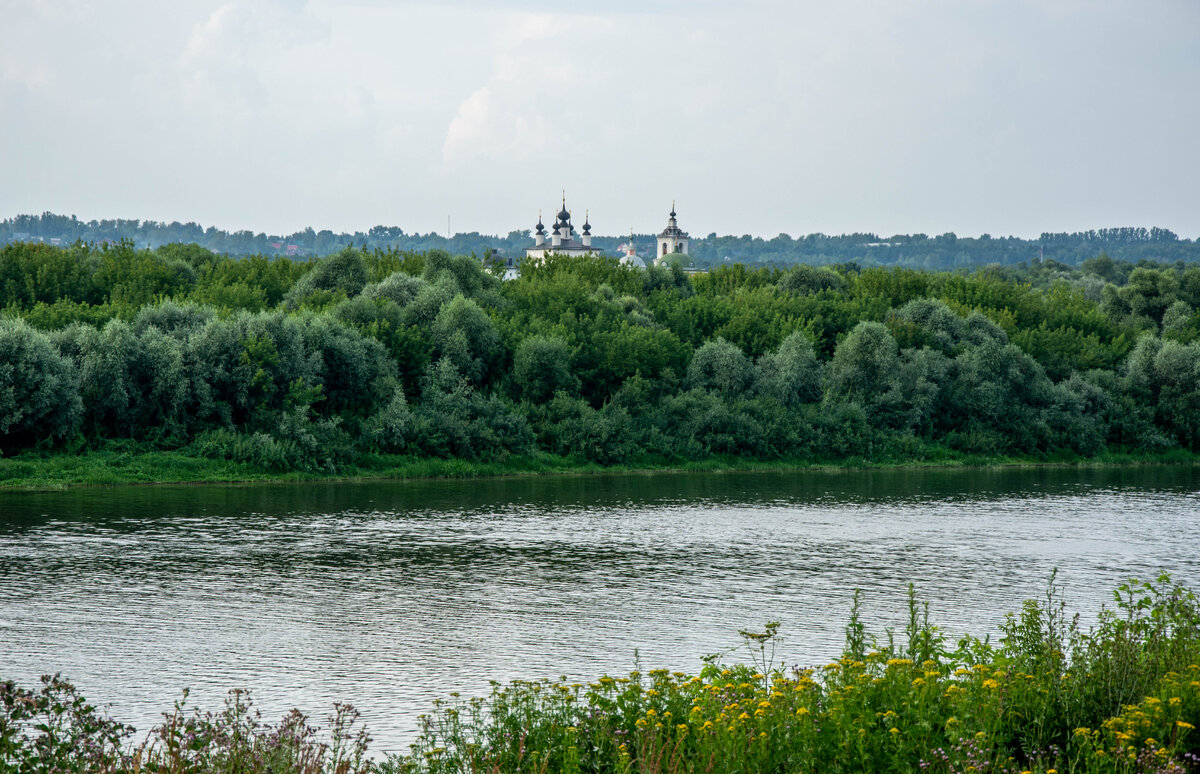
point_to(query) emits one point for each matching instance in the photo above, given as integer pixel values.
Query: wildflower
(802, 712)
(764, 704)
(743, 716)
(1184, 725)
(651, 692)
(708, 724)
(893, 730)
(990, 684)
(762, 735)
(1175, 701)
(899, 661)
(917, 683)
(650, 713)
(640, 722)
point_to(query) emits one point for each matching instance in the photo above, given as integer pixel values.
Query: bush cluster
(1122, 697)
(313, 366)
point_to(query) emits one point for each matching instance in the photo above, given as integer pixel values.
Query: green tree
(39, 392)
(721, 367)
(542, 367)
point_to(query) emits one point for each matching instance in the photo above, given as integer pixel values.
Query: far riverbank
(122, 467)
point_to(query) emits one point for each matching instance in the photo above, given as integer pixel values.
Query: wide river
(389, 595)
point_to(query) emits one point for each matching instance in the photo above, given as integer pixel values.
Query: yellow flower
(743, 716)
(707, 725)
(764, 704)
(893, 730)
(762, 735)
(1185, 726)
(917, 683)
(899, 661)
(640, 722)
(990, 684)
(802, 712)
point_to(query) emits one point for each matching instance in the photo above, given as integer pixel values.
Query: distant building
(673, 239)
(630, 256)
(562, 237)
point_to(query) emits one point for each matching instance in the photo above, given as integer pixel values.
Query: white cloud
(506, 118)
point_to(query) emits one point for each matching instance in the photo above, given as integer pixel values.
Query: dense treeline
(318, 365)
(946, 251)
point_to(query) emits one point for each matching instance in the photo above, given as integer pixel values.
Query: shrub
(542, 367)
(39, 388)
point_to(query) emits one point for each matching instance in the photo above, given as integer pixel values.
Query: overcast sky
(894, 116)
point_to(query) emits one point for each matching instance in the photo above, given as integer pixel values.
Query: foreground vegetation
(1123, 696)
(369, 361)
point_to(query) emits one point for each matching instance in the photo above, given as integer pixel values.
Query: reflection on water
(392, 594)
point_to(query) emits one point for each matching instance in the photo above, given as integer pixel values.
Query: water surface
(389, 595)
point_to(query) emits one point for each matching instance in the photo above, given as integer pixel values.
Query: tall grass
(1046, 698)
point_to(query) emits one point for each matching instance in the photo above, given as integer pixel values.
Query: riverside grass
(1047, 698)
(124, 463)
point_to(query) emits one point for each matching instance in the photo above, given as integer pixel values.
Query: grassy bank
(1046, 699)
(122, 464)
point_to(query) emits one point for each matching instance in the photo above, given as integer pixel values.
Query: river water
(389, 595)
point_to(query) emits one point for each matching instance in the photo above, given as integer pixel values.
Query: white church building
(562, 237)
(673, 239)
(564, 240)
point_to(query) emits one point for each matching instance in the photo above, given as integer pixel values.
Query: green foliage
(1124, 696)
(298, 364)
(343, 273)
(39, 389)
(542, 367)
(465, 335)
(54, 729)
(810, 279)
(722, 367)
(792, 374)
